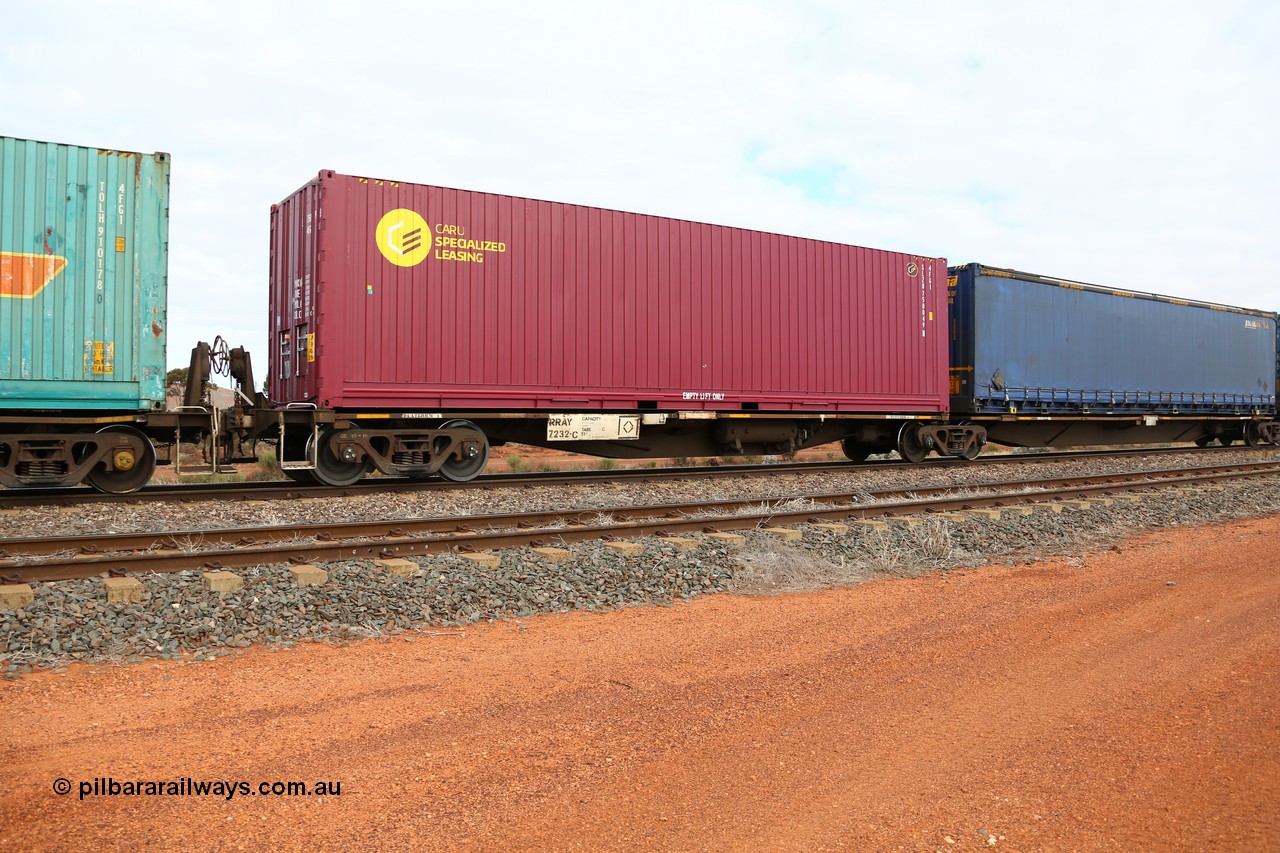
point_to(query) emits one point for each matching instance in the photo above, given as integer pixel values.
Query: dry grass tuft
(767, 566)
(770, 566)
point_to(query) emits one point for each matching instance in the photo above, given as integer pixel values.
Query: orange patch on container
(24, 275)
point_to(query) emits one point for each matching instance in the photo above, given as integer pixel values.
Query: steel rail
(91, 544)
(678, 518)
(287, 490)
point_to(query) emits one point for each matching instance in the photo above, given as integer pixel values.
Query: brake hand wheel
(220, 356)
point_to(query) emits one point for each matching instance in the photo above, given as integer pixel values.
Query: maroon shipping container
(396, 296)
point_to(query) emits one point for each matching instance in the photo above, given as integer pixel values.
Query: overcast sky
(1132, 144)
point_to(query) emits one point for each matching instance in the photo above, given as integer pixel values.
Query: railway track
(286, 490)
(61, 558)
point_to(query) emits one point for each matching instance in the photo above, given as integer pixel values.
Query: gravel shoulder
(179, 619)
(1116, 699)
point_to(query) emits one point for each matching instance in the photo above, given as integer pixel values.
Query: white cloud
(1130, 144)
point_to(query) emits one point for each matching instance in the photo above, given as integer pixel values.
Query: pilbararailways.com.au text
(188, 787)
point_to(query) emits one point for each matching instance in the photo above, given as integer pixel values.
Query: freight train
(414, 327)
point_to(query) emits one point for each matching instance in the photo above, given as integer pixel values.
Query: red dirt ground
(1052, 706)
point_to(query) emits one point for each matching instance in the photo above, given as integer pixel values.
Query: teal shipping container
(84, 236)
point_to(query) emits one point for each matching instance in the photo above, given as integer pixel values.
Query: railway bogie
(456, 450)
(112, 458)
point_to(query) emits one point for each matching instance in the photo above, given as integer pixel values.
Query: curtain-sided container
(1028, 343)
(83, 268)
(388, 295)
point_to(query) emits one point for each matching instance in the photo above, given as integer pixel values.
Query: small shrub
(268, 467)
(607, 464)
(515, 462)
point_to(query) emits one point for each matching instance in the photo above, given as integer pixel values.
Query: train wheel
(973, 451)
(910, 447)
(1252, 434)
(331, 471)
(855, 450)
(1225, 441)
(132, 462)
(466, 469)
(1203, 441)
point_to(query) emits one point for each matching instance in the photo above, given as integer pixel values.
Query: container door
(960, 308)
(295, 259)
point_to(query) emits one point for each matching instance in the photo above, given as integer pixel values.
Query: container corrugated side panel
(83, 275)
(503, 302)
(1059, 346)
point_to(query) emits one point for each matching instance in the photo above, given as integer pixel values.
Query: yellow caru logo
(404, 237)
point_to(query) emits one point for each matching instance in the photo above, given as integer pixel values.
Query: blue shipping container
(83, 271)
(1027, 343)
